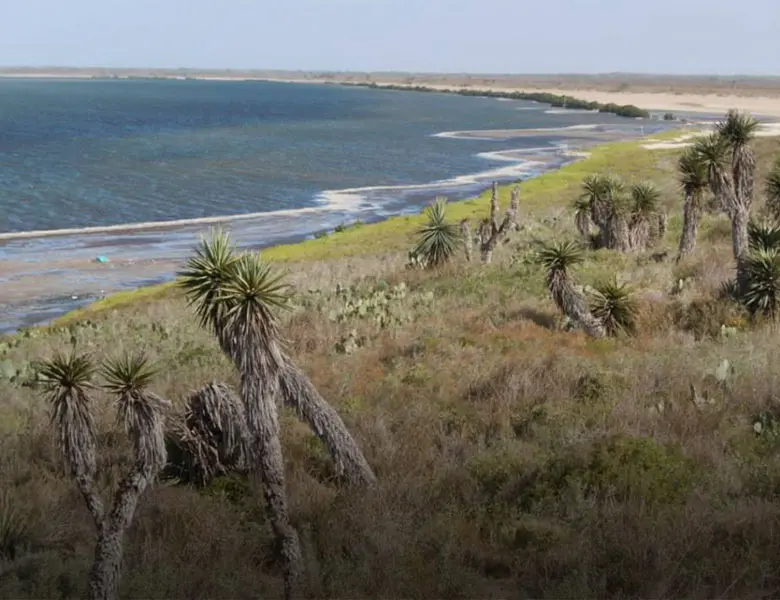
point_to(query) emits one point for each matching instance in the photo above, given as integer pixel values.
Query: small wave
(518, 169)
(474, 134)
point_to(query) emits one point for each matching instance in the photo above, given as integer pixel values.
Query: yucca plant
(736, 132)
(67, 381)
(141, 412)
(692, 169)
(763, 235)
(438, 239)
(595, 188)
(582, 215)
(761, 290)
(614, 305)
(713, 152)
(558, 258)
(644, 224)
(772, 190)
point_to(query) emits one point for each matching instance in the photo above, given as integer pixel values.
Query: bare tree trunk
(299, 393)
(105, 576)
(491, 231)
(691, 217)
(577, 310)
(468, 242)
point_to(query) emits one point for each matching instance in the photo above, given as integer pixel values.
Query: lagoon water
(93, 153)
(294, 158)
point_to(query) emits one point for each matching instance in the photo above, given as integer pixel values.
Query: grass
(515, 459)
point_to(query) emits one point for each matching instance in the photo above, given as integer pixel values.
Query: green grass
(551, 190)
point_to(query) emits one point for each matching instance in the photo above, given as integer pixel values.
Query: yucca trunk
(106, 572)
(692, 211)
(639, 234)
(259, 363)
(740, 218)
(582, 222)
(299, 393)
(617, 233)
(86, 487)
(573, 305)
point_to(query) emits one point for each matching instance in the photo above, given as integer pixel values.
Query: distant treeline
(555, 100)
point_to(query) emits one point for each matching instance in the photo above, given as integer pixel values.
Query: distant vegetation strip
(555, 100)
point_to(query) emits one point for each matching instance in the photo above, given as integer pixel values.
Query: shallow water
(293, 158)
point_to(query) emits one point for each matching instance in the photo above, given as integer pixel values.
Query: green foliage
(614, 305)
(127, 374)
(66, 372)
(438, 239)
(737, 129)
(764, 236)
(692, 169)
(559, 256)
(772, 189)
(646, 198)
(614, 469)
(762, 283)
(386, 307)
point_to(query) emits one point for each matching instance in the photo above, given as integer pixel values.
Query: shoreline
(36, 299)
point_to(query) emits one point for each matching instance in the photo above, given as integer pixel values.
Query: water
(294, 158)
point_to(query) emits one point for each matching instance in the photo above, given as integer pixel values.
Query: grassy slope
(515, 459)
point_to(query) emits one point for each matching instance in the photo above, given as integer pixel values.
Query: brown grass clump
(514, 458)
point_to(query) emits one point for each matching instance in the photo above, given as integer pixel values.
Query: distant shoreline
(658, 93)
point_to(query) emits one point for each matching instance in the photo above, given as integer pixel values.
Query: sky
(476, 36)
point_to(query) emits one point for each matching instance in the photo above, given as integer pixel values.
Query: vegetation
(555, 100)
(438, 238)
(492, 452)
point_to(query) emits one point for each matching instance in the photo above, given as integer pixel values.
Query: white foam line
(472, 134)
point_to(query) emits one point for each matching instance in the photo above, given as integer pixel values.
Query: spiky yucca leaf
(738, 129)
(646, 199)
(761, 292)
(615, 306)
(140, 411)
(692, 169)
(67, 380)
(559, 256)
(205, 274)
(253, 293)
(438, 239)
(764, 235)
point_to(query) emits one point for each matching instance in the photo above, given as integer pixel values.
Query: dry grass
(515, 460)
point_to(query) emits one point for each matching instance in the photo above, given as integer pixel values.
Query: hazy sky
(521, 36)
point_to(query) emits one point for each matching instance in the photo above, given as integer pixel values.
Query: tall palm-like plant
(250, 297)
(582, 216)
(692, 169)
(68, 382)
(558, 258)
(438, 239)
(736, 132)
(644, 224)
(237, 297)
(595, 190)
(142, 414)
(714, 154)
(772, 190)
